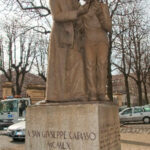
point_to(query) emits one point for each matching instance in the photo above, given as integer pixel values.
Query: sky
(4, 13)
(6, 16)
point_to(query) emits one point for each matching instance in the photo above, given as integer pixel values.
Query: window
(10, 106)
(128, 111)
(146, 109)
(138, 110)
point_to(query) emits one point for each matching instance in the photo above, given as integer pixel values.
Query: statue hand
(83, 10)
(98, 10)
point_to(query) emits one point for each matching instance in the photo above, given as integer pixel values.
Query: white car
(17, 130)
(135, 114)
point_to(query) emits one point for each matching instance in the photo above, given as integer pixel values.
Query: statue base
(73, 126)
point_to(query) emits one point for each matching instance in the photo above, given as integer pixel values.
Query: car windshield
(9, 106)
(122, 108)
(128, 111)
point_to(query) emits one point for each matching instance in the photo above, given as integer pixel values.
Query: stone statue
(77, 70)
(97, 23)
(65, 78)
(77, 62)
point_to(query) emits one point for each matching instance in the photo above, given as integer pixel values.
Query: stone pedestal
(73, 126)
(7, 89)
(36, 92)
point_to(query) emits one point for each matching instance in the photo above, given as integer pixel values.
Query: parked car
(17, 131)
(5, 123)
(122, 108)
(135, 114)
(148, 105)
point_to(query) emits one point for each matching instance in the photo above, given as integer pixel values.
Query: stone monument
(35, 92)
(7, 89)
(77, 114)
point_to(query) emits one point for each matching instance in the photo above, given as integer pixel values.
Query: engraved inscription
(61, 139)
(62, 135)
(59, 145)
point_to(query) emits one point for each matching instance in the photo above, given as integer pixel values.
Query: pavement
(6, 143)
(135, 142)
(133, 137)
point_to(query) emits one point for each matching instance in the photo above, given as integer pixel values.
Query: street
(6, 143)
(133, 137)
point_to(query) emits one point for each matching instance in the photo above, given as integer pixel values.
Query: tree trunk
(109, 75)
(18, 89)
(13, 91)
(145, 93)
(127, 90)
(139, 93)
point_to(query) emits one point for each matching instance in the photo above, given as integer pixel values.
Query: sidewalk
(135, 141)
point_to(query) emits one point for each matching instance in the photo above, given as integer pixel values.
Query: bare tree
(117, 7)
(20, 52)
(41, 57)
(138, 54)
(122, 47)
(131, 49)
(37, 18)
(35, 12)
(146, 71)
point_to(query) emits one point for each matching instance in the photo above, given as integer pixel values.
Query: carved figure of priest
(65, 78)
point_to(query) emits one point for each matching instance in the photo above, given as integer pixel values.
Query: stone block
(73, 126)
